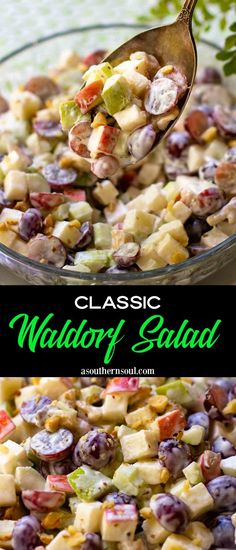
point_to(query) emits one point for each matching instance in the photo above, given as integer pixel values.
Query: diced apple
(155, 533)
(67, 233)
(179, 542)
(105, 192)
(200, 535)
(7, 461)
(115, 407)
(7, 490)
(119, 237)
(142, 444)
(53, 386)
(122, 385)
(9, 386)
(196, 157)
(15, 185)
(119, 523)
(138, 83)
(103, 139)
(103, 71)
(88, 517)
(148, 173)
(171, 250)
(15, 160)
(60, 542)
(36, 183)
(121, 147)
(18, 451)
(115, 212)
(102, 235)
(12, 217)
(139, 224)
(152, 472)
(116, 94)
(228, 466)
(140, 417)
(130, 118)
(213, 237)
(59, 483)
(24, 105)
(89, 96)
(6, 530)
(170, 424)
(22, 429)
(80, 211)
(198, 500)
(176, 230)
(27, 477)
(154, 199)
(6, 426)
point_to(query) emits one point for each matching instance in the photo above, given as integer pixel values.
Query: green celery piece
(126, 479)
(176, 391)
(116, 94)
(94, 259)
(70, 113)
(193, 473)
(103, 71)
(89, 484)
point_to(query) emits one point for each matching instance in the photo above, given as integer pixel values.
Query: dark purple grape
(230, 155)
(63, 467)
(120, 498)
(207, 170)
(96, 448)
(59, 177)
(176, 166)
(177, 142)
(224, 447)
(195, 227)
(35, 410)
(141, 141)
(86, 235)
(92, 542)
(4, 201)
(199, 419)
(52, 446)
(48, 129)
(208, 75)
(227, 385)
(171, 512)
(126, 255)
(223, 491)
(216, 398)
(175, 456)
(98, 381)
(224, 532)
(30, 224)
(42, 86)
(47, 250)
(25, 533)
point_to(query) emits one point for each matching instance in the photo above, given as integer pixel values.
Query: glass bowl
(38, 57)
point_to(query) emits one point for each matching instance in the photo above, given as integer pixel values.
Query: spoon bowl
(171, 44)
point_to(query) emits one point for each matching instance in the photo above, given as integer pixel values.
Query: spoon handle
(187, 11)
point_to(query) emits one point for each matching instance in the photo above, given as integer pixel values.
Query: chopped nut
(35, 380)
(99, 120)
(107, 504)
(209, 134)
(22, 206)
(145, 512)
(75, 223)
(165, 474)
(232, 143)
(48, 230)
(48, 221)
(53, 520)
(230, 407)
(158, 403)
(3, 226)
(45, 538)
(167, 69)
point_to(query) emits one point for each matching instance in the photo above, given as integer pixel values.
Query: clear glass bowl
(37, 58)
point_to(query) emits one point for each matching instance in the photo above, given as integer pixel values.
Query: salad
(117, 464)
(177, 202)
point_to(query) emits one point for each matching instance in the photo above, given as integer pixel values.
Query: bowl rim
(102, 277)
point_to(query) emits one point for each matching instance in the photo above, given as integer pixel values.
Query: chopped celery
(94, 259)
(126, 478)
(177, 391)
(89, 484)
(102, 235)
(96, 72)
(193, 473)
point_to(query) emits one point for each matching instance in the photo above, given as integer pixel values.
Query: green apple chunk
(97, 72)
(89, 484)
(70, 113)
(116, 94)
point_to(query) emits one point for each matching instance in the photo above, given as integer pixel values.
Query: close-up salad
(117, 463)
(69, 196)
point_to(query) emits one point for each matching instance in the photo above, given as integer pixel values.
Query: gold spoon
(171, 44)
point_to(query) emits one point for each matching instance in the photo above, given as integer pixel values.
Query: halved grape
(47, 250)
(177, 77)
(197, 122)
(105, 166)
(96, 448)
(171, 512)
(25, 533)
(4, 105)
(224, 447)
(225, 177)
(59, 177)
(216, 398)
(208, 75)
(161, 96)
(52, 446)
(199, 419)
(86, 235)
(210, 465)
(62, 467)
(92, 542)
(208, 201)
(224, 532)
(175, 456)
(120, 498)
(223, 492)
(42, 86)
(207, 170)
(126, 255)
(195, 228)
(42, 501)
(48, 129)
(225, 120)
(35, 410)
(30, 224)
(141, 141)
(177, 142)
